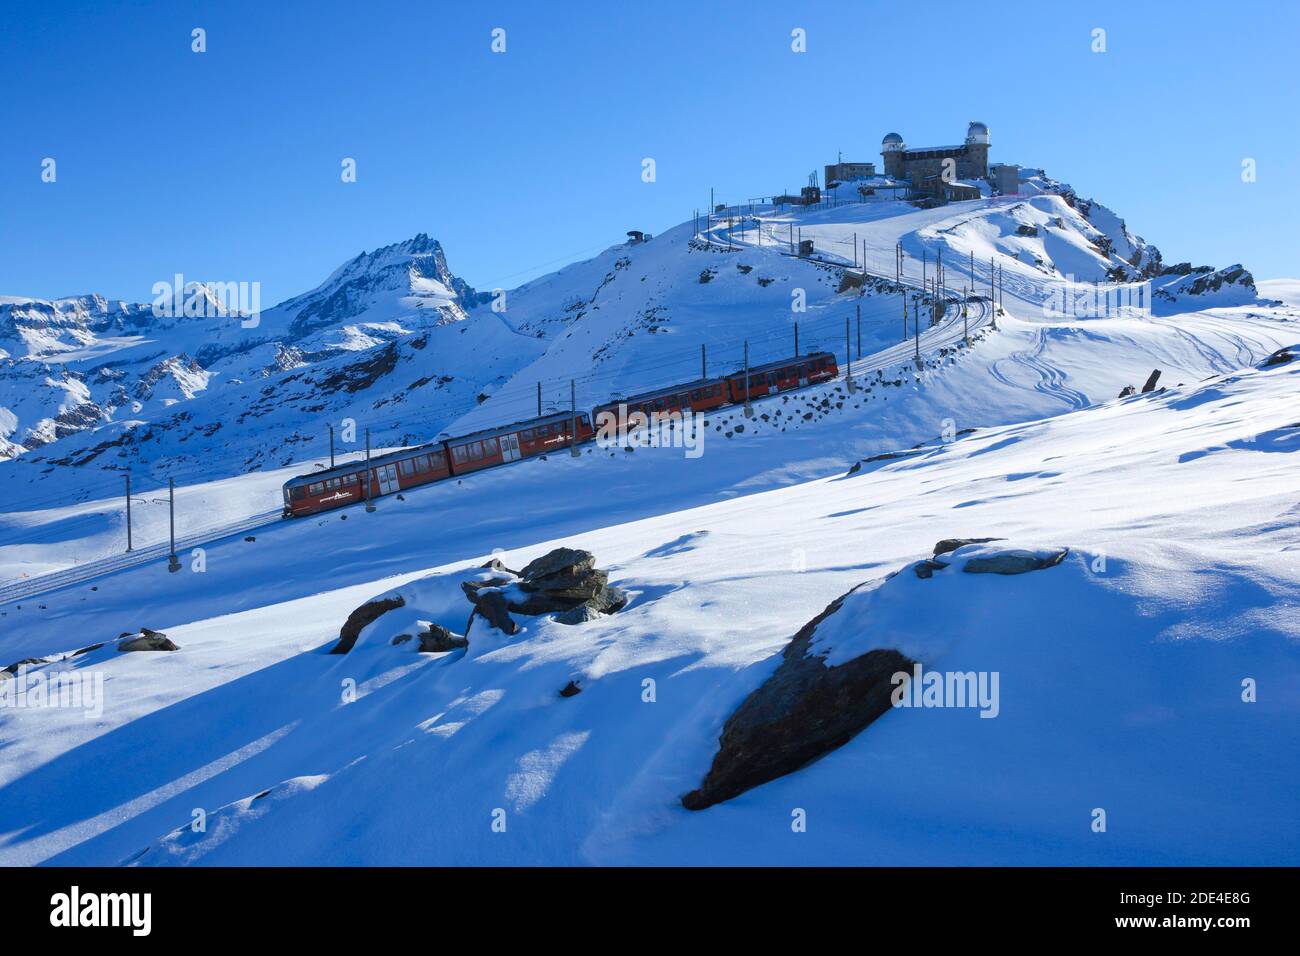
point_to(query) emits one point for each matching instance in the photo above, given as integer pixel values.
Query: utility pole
(965, 325)
(173, 564)
(917, 326)
(749, 409)
(859, 330)
(331, 445)
(796, 340)
(848, 357)
(128, 513)
(370, 503)
(704, 361)
(539, 399)
(904, 296)
(573, 411)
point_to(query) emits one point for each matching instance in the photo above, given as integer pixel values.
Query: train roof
(359, 464)
(659, 392)
(516, 426)
(781, 363)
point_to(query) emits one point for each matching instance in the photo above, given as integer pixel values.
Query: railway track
(948, 332)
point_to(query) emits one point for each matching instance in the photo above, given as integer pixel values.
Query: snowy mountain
(108, 386)
(351, 669)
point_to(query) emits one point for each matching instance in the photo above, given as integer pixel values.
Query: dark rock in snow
(87, 649)
(560, 561)
(26, 662)
(578, 615)
(1126, 391)
(435, 639)
(1150, 385)
(148, 641)
(1280, 357)
(801, 712)
(571, 689)
(400, 639)
(1015, 561)
(578, 587)
(495, 565)
(368, 613)
(952, 544)
(926, 569)
(492, 605)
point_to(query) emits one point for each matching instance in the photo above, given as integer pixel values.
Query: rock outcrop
(819, 697)
(564, 582)
(147, 640)
(802, 711)
(368, 613)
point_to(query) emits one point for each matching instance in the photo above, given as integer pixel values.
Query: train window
(406, 466)
(421, 463)
(457, 454)
(526, 434)
(316, 488)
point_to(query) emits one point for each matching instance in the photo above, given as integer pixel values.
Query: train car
(698, 396)
(781, 376)
(346, 484)
(506, 443)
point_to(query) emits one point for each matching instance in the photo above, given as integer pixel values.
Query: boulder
(148, 641)
(578, 615)
(366, 614)
(435, 639)
(1150, 385)
(1126, 391)
(496, 565)
(25, 662)
(952, 544)
(925, 569)
(1280, 357)
(801, 712)
(492, 605)
(88, 648)
(577, 587)
(571, 689)
(1015, 561)
(610, 601)
(560, 561)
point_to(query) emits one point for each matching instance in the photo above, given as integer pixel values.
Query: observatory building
(923, 163)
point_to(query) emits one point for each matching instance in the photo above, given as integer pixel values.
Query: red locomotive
(410, 467)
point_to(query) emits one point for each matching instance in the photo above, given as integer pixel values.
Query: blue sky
(225, 165)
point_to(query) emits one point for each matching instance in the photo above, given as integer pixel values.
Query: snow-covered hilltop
(576, 658)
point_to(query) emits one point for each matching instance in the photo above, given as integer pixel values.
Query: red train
(411, 467)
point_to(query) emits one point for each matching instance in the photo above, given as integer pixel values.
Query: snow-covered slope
(1120, 670)
(1121, 667)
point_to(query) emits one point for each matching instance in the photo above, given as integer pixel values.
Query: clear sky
(225, 165)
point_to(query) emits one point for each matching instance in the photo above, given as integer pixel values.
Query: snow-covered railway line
(950, 331)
